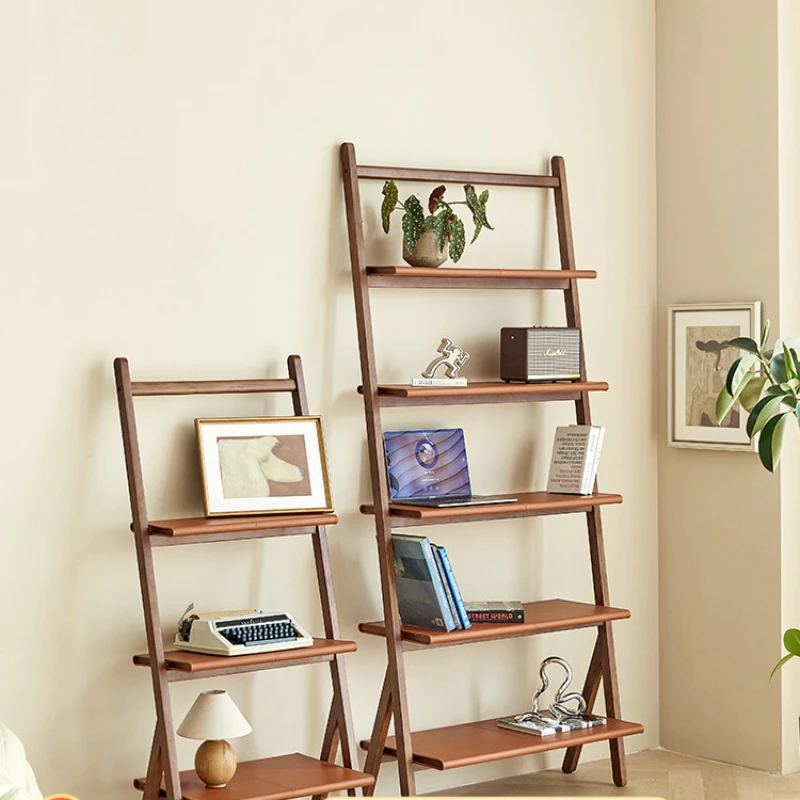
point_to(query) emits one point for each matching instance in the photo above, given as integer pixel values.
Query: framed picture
(265, 465)
(698, 364)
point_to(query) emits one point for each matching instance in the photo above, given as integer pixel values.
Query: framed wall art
(698, 364)
(263, 465)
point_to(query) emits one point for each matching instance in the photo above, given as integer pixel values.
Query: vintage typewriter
(237, 633)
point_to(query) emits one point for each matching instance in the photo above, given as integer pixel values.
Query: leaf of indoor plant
(780, 664)
(777, 367)
(770, 444)
(790, 361)
(725, 403)
(477, 208)
(737, 372)
(761, 413)
(436, 196)
(413, 222)
(389, 203)
(441, 227)
(791, 641)
(458, 240)
(752, 393)
(743, 343)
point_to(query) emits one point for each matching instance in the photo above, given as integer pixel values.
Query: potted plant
(766, 383)
(426, 239)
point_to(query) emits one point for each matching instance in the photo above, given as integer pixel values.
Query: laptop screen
(426, 464)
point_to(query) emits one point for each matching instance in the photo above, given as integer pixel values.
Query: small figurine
(559, 718)
(452, 358)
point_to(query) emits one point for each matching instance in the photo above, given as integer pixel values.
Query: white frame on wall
(679, 434)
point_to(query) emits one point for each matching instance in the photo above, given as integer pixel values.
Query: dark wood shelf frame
(472, 278)
(399, 394)
(184, 665)
(542, 616)
(272, 778)
(528, 504)
(482, 741)
(277, 778)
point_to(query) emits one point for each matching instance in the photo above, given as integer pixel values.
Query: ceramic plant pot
(426, 253)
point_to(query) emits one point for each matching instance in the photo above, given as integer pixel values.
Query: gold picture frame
(263, 465)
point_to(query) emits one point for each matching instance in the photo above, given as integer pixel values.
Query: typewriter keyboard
(258, 630)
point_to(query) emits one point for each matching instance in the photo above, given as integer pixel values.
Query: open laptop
(429, 468)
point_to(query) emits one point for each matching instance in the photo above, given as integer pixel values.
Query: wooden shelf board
(277, 778)
(455, 277)
(484, 392)
(185, 661)
(543, 616)
(205, 526)
(481, 742)
(528, 504)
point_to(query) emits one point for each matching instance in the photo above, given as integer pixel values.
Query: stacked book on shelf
(427, 591)
(576, 457)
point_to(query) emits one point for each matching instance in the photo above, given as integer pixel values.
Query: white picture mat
(208, 434)
(747, 317)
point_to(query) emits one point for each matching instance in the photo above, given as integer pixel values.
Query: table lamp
(215, 718)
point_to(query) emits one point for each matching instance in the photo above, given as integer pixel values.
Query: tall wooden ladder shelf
(276, 778)
(483, 741)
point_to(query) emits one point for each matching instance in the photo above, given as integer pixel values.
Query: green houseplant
(766, 383)
(426, 238)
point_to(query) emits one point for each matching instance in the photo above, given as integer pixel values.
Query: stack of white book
(576, 456)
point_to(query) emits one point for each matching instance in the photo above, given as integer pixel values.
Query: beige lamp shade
(214, 716)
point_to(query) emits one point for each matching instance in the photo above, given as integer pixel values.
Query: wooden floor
(652, 773)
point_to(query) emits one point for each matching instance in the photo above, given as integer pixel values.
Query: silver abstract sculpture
(559, 718)
(452, 358)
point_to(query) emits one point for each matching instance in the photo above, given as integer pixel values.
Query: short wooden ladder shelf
(280, 777)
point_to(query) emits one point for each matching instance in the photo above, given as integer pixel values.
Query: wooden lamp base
(215, 763)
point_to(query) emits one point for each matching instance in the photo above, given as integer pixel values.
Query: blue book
(451, 602)
(454, 590)
(421, 594)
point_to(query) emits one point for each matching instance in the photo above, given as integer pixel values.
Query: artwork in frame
(698, 364)
(263, 465)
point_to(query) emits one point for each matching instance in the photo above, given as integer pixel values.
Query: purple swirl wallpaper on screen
(426, 463)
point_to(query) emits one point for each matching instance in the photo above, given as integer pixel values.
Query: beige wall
(171, 193)
(789, 196)
(719, 513)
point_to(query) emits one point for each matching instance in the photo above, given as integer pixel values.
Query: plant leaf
(765, 335)
(737, 372)
(458, 239)
(477, 208)
(436, 196)
(774, 391)
(780, 664)
(389, 203)
(791, 641)
(777, 366)
(724, 404)
(440, 225)
(752, 393)
(413, 221)
(761, 413)
(743, 343)
(790, 361)
(770, 444)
